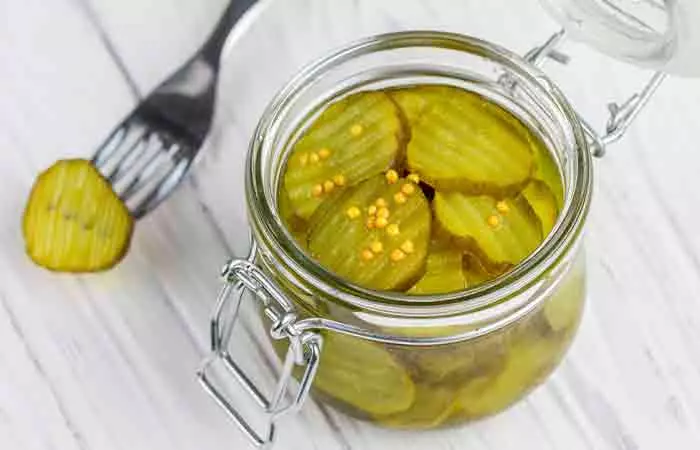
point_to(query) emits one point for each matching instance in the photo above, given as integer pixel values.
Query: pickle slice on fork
(375, 234)
(351, 140)
(74, 222)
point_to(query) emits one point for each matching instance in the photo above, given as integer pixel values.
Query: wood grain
(107, 362)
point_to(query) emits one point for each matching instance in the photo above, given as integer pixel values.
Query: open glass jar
(397, 360)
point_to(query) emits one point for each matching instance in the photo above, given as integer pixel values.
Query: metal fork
(148, 154)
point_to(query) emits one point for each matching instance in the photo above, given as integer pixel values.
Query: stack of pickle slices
(427, 190)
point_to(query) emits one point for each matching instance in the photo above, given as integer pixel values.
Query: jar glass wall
(423, 362)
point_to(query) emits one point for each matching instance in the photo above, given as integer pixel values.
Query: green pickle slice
(364, 375)
(462, 143)
(431, 408)
(376, 234)
(351, 140)
(443, 273)
(503, 231)
(544, 203)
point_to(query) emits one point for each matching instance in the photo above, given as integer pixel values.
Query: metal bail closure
(304, 350)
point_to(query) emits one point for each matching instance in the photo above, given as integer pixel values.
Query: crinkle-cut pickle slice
(563, 309)
(431, 407)
(415, 100)
(547, 171)
(375, 234)
(351, 140)
(73, 221)
(502, 231)
(527, 364)
(543, 202)
(462, 142)
(364, 375)
(443, 273)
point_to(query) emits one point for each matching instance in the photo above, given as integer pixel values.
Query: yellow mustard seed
(408, 188)
(303, 159)
(376, 247)
(339, 179)
(371, 223)
(414, 178)
(353, 212)
(397, 255)
(372, 210)
(356, 129)
(382, 222)
(314, 158)
(383, 212)
(381, 203)
(502, 207)
(328, 186)
(317, 190)
(408, 247)
(392, 229)
(392, 176)
(324, 153)
(367, 254)
(493, 221)
(399, 198)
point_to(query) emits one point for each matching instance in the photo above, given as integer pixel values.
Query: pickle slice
(351, 140)
(364, 375)
(503, 231)
(73, 221)
(462, 142)
(443, 273)
(546, 170)
(431, 407)
(476, 272)
(544, 203)
(374, 246)
(528, 363)
(415, 101)
(563, 309)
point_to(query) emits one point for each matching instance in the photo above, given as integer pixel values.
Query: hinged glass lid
(653, 33)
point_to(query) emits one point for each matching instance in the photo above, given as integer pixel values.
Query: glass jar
(397, 360)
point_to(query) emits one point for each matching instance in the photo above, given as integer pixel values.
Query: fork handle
(211, 49)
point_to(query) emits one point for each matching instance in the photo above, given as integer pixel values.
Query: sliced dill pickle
(416, 100)
(543, 202)
(351, 140)
(296, 225)
(450, 364)
(563, 309)
(375, 234)
(364, 375)
(443, 273)
(73, 221)
(527, 364)
(546, 170)
(431, 407)
(476, 272)
(500, 231)
(462, 143)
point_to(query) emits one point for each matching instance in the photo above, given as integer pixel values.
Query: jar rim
(271, 234)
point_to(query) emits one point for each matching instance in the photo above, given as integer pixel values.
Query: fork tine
(161, 189)
(132, 169)
(123, 154)
(155, 163)
(113, 141)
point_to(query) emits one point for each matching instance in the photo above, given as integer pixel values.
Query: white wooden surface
(107, 362)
